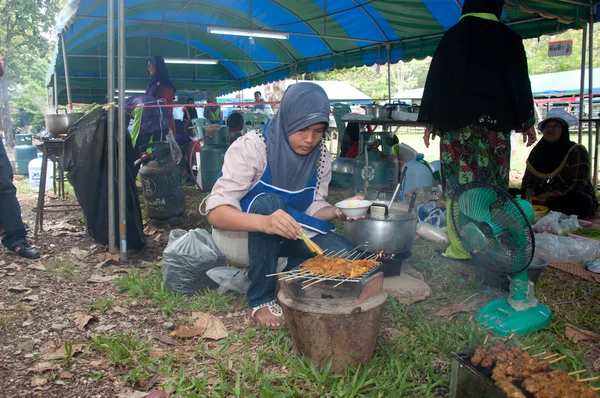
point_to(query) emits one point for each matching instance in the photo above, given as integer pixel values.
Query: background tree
(26, 45)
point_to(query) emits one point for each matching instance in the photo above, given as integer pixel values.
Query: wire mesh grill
(295, 273)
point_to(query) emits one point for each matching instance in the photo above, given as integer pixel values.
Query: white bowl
(354, 207)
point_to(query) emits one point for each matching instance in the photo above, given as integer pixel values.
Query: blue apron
(297, 201)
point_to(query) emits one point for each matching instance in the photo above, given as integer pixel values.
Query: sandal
(274, 308)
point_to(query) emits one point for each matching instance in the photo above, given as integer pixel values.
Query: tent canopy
(322, 36)
(558, 84)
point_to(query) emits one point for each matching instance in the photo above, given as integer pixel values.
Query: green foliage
(26, 46)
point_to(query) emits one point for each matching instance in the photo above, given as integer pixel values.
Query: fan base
(504, 320)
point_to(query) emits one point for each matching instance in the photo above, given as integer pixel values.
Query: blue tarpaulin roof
(322, 36)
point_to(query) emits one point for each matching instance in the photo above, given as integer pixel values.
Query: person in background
(15, 235)
(258, 98)
(23, 121)
(350, 141)
(160, 86)
(212, 112)
(558, 170)
(477, 91)
(275, 184)
(235, 122)
(191, 110)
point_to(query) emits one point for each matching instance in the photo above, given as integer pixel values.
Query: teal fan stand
(495, 230)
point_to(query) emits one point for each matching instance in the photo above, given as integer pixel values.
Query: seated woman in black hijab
(558, 170)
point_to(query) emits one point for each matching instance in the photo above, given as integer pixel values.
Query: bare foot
(264, 317)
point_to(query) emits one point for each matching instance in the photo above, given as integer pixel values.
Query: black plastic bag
(85, 159)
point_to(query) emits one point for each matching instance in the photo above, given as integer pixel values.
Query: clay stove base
(408, 287)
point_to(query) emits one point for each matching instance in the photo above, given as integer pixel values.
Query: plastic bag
(187, 258)
(428, 213)
(175, 150)
(563, 249)
(557, 223)
(593, 265)
(432, 233)
(230, 278)
(529, 302)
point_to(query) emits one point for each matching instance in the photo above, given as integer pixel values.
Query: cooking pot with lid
(390, 230)
(60, 123)
(378, 111)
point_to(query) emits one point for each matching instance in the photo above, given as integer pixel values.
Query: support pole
(388, 47)
(55, 89)
(582, 86)
(66, 64)
(122, 138)
(110, 139)
(591, 96)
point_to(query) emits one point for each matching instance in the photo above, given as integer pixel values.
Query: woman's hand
(282, 224)
(530, 136)
(529, 194)
(426, 137)
(340, 216)
(542, 198)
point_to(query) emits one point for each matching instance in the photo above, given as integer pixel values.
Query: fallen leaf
(31, 299)
(150, 230)
(157, 238)
(82, 319)
(60, 352)
(156, 352)
(101, 279)
(79, 253)
(65, 375)
(132, 394)
(59, 326)
(12, 267)
(19, 289)
(453, 309)
(163, 338)
(119, 310)
(44, 366)
(2, 262)
(147, 384)
(158, 394)
(205, 325)
(216, 330)
(105, 328)
(38, 266)
(28, 308)
(27, 323)
(38, 381)
(96, 364)
(576, 334)
(107, 258)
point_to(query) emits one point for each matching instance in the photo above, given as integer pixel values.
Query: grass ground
(118, 350)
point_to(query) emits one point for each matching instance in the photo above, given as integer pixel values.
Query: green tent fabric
(321, 36)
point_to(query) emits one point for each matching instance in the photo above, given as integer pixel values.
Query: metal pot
(61, 123)
(388, 230)
(378, 111)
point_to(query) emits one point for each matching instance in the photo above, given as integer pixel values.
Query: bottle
(418, 175)
(35, 173)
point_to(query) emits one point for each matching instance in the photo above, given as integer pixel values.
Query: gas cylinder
(25, 152)
(418, 175)
(212, 157)
(342, 173)
(381, 174)
(161, 185)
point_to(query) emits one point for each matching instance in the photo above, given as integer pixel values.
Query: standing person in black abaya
(476, 92)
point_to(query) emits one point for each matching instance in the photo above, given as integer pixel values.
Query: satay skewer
(557, 359)
(588, 379)
(577, 372)
(319, 280)
(550, 356)
(539, 354)
(528, 347)
(486, 339)
(283, 272)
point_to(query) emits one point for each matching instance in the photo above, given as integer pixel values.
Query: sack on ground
(186, 259)
(230, 278)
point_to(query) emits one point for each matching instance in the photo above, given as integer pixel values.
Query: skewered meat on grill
(513, 365)
(331, 266)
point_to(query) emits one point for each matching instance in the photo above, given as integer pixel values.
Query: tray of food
(504, 371)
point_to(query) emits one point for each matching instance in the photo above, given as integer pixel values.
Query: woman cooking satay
(275, 184)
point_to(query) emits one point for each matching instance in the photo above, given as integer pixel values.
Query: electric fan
(494, 229)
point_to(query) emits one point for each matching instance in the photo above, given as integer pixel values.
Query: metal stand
(52, 150)
(593, 149)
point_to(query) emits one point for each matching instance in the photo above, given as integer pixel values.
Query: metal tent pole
(55, 89)
(582, 86)
(110, 88)
(388, 47)
(122, 132)
(66, 64)
(591, 96)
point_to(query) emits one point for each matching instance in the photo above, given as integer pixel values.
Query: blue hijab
(302, 105)
(160, 78)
